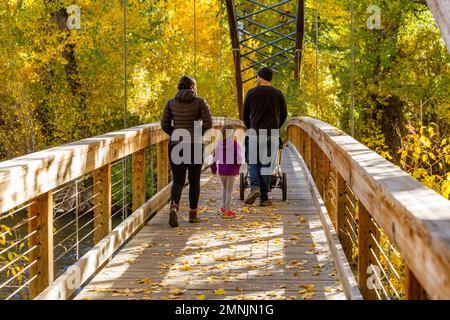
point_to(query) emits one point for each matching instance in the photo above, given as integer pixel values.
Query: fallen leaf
(176, 291)
(220, 291)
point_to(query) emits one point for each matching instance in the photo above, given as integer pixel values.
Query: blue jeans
(257, 180)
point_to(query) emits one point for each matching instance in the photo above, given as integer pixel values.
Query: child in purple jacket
(227, 160)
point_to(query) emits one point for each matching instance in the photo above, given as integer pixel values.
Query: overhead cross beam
(274, 46)
(274, 6)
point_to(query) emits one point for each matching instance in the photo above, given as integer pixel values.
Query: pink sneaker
(222, 210)
(229, 215)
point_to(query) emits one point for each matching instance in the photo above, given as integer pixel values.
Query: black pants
(179, 179)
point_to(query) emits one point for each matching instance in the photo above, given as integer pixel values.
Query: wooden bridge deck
(266, 253)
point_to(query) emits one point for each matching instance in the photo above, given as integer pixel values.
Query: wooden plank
(138, 179)
(41, 220)
(366, 244)
(327, 185)
(341, 220)
(102, 202)
(308, 152)
(415, 218)
(319, 171)
(441, 13)
(414, 290)
(162, 164)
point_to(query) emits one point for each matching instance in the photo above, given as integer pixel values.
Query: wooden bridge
(354, 225)
(88, 220)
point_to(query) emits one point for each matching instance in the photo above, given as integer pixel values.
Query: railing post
(307, 155)
(304, 143)
(413, 288)
(312, 159)
(138, 179)
(41, 221)
(320, 171)
(327, 187)
(102, 202)
(341, 221)
(162, 164)
(366, 243)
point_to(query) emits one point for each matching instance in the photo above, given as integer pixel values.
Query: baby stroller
(278, 180)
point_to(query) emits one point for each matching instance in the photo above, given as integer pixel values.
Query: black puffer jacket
(183, 110)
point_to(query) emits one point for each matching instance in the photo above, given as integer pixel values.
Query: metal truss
(256, 44)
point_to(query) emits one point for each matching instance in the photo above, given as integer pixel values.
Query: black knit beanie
(266, 73)
(186, 83)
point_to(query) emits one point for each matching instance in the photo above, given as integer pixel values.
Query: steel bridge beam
(276, 10)
(267, 8)
(272, 57)
(300, 28)
(266, 28)
(259, 52)
(232, 21)
(266, 37)
(266, 31)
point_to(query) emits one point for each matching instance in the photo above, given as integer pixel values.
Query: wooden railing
(394, 230)
(75, 205)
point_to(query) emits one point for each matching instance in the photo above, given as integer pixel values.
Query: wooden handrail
(414, 218)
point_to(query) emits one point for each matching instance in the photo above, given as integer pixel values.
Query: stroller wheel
(242, 186)
(284, 186)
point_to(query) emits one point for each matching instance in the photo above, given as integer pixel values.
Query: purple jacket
(227, 157)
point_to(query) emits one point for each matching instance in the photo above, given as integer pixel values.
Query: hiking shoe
(254, 194)
(173, 216)
(229, 215)
(265, 203)
(193, 218)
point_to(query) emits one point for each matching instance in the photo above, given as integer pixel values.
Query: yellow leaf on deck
(280, 262)
(145, 281)
(308, 287)
(176, 291)
(200, 297)
(220, 291)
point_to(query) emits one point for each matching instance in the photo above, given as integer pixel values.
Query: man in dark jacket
(264, 108)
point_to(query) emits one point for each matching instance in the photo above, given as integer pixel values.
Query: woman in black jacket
(184, 112)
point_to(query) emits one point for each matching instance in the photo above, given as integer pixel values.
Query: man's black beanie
(266, 73)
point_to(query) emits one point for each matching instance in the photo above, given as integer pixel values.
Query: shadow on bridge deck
(266, 253)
